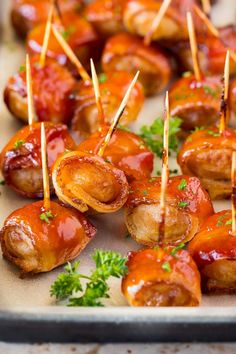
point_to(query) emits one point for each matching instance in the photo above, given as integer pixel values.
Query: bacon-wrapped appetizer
(79, 34)
(232, 96)
(162, 277)
(20, 159)
(196, 102)
(214, 251)
(37, 240)
(207, 154)
(187, 205)
(27, 14)
(211, 50)
(127, 52)
(138, 16)
(53, 87)
(105, 16)
(87, 181)
(126, 150)
(112, 87)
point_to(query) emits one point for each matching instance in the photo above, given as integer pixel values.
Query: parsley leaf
(183, 204)
(46, 216)
(166, 267)
(153, 135)
(22, 69)
(102, 78)
(108, 264)
(182, 185)
(229, 222)
(177, 248)
(68, 32)
(187, 74)
(18, 144)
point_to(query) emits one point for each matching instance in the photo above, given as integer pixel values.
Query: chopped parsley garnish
(18, 144)
(145, 192)
(210, 91)
(166, 267)
(68, 32)
(187, 74)
(46, 216)
(22, 69)
(211, 132)
(177, 248)
(153, 135)
(183, 204)
(102, 78)
(68, 285)
(229, 222)
(182, 185)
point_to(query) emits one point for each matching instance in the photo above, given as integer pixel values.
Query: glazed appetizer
(207, 152)
(128, 53)
(113, 86)
(41, 236)
(162, 277)
(27, 14)
(140, 16)
(195, 98)
(53, 87)
(212, 47)
(79, 34)
(187, 205)
(20, 159)
(86, 180)
(105, 16)
(214, 248)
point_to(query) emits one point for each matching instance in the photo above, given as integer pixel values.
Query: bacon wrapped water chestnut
(105, 16)
(77, 31)
(214, 251)
(20, 159)
(211, 51)
(38, 241)
(126, 150)
(86, 181)
(161, 277)
(128, 53)
(187, 205)
(207, 154)
(53, 87)
(27, 14)
(196, 102)
(113, 85)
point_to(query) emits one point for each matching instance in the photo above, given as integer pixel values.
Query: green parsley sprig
(46, 216)
(68, 285)
(153, 135)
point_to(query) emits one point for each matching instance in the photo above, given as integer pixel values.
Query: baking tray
(28, 314)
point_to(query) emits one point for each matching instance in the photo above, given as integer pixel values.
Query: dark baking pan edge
(84, 325)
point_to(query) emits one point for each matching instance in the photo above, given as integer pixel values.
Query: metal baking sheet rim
(118, 325)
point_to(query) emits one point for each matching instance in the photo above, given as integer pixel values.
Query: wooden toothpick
(206, 5)
(46, 37)
(165, 171)
(71, 55)
(156, 21)
(193, 45)
(117, 117)
(233, 179)
(30, 99)
(206, 21)
(225, 93)
(46, 186)
(101, 116)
